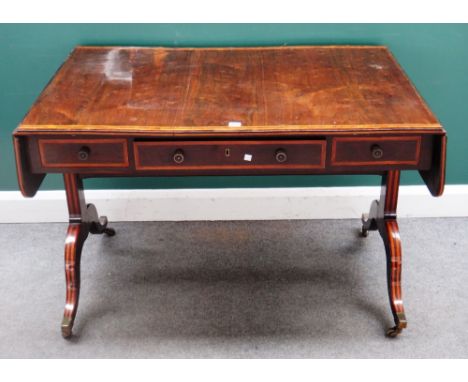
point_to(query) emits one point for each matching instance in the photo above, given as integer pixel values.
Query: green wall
(435, 56)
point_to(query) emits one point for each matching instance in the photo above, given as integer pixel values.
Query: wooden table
(125, 111)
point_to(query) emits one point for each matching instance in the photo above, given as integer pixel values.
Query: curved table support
(76, 236)
(382, 217)
(84, 219)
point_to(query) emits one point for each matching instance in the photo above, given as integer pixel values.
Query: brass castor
(393, 332)
(66, 327)
(66, 333)
(109, 231)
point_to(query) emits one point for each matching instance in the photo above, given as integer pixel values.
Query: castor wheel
(109, 231)
(100, 227)
(364, 232)
(365, 225)
(393, 332)
(66, 333)
(67, 326)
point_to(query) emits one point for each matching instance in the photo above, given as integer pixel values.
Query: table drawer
(220, 155)
(82, 153)
(375, 151)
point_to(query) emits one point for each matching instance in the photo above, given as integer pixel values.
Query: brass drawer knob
(281, 156)
(377, 152)
(83, 153)
(178, 156)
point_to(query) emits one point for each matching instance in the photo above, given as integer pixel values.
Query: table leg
(382, 217)
(83, 219)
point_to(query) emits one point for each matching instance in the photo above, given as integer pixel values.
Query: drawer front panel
(219, 155)
(375, 151)
(82, 153)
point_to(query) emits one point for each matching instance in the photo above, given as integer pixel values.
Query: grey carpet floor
(267, 289)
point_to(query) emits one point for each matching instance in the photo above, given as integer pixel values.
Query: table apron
(94, 156)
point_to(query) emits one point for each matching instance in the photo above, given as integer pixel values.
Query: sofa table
(150, 111)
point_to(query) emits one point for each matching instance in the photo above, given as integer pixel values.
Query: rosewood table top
(226, 90)
(134, 111)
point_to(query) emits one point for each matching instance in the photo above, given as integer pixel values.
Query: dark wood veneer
(352, 151)
(434, 177)
(211, 155)
(101, 153)
(28, 181)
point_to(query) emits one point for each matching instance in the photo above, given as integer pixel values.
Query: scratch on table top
(376, 66)
(113, 69)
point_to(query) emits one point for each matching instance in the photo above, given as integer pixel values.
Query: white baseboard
(233, 204)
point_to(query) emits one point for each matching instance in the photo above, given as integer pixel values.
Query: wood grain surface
(180, 90)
